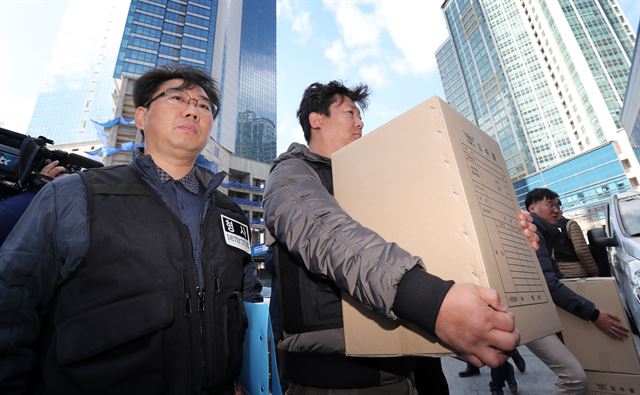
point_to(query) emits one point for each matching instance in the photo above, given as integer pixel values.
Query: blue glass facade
(257, 86)
(546, 80)
(584, 181)
(452, 79)
(78, 83)
(606, 46)
(160, 32)
(491, 101)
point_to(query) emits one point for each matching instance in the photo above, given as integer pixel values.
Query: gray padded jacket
(302, 215)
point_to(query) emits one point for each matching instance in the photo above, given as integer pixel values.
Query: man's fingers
(503, 321)
(56, 171)
(492, 298)
(52, 169)
(491, 357)
(475, 361)
(47, 168)
(619, 331)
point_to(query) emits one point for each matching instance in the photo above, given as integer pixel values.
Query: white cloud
(374, 75)
(337, 54)
(357, 28)
(302, 26)
(283, 7)
(300, 21)
(417, 28)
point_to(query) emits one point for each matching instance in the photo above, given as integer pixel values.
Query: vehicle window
(630, 214)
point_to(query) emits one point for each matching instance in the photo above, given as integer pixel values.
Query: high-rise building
(553, 72)
(257, 81)
(233, 40)
(78, 82)
(630, 116)
(256, 137)
(547, 80)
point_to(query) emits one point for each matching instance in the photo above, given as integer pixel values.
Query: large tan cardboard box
(437, 185)
(603, 383)
(593, 348)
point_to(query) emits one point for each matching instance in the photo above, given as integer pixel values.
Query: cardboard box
(434, 183)
(593, 348)
(602, 383)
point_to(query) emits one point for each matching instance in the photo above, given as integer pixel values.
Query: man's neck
(321, 150)
(176, 168)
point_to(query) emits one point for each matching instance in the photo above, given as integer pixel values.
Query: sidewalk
(537, 379)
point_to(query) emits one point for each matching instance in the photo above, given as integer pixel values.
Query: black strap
(338, 371)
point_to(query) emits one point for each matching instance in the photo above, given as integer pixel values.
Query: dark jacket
(562, 296)
(11, 210)
(46, 252)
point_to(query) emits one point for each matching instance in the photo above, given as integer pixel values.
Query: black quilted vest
(309, 302)
(563, 250)
(130, 319)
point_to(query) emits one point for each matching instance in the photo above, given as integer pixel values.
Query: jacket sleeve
(11, 210)
(252, 285)
(562, 296)
(582, 248)
(31, 265)
(301, 214)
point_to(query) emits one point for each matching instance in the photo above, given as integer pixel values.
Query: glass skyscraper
(482, 93)
(167, 32)
(630, 116)
(256, 137)
(545, 78)
(78, 84)
(233, 40)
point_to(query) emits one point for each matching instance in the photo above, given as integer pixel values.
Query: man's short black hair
(147, 85)
(318, 97)
(537, 195)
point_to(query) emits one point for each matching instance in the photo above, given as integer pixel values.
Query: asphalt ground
(537, 379)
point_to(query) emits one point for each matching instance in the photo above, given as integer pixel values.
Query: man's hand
(610, 324)
(474, 323)
(53, 170)
(528, 228)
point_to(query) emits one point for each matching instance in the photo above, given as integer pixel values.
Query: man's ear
(140, 116)
(532, 208)
(315, 120)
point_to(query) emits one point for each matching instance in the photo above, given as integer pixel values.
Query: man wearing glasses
(544, 206)
(130, 279)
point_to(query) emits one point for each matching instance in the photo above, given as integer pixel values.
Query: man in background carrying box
(606, 361)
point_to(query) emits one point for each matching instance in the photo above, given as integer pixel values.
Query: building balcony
(239, 185)
(247, 202)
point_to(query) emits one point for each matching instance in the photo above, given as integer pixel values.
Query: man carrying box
(322, 252)
(545, 208)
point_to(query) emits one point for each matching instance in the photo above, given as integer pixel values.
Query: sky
(388, 44)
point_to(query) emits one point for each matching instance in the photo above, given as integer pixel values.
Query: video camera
(22, 157)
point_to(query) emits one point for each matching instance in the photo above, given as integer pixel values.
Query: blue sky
(389, 44)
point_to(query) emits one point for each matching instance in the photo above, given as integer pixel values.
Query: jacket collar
(548, 231)
(297, 150)
(146, 167)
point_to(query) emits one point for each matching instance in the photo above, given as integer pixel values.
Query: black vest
(563, 250)
(309, 301)
(130, 320)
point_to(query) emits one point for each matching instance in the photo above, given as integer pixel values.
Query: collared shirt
(190, 181)
(187, 200)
